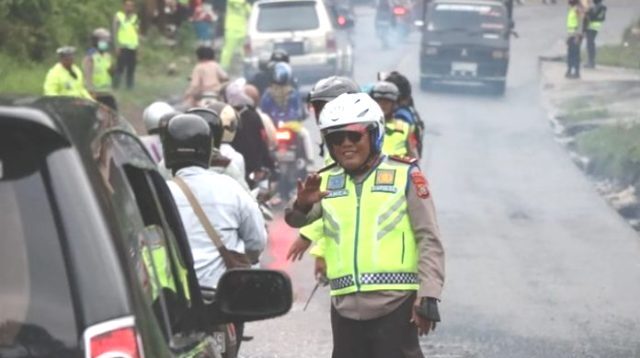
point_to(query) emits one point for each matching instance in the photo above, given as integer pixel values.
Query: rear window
(36, 312)
(289, 16)
(464, 17)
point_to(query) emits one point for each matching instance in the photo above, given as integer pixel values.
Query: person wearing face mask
(65, 78)
(98, 67)
(384, 258)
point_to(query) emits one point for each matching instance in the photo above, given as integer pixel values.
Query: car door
(162, 263)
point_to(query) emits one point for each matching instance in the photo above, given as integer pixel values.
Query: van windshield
(467, 18)
(288, 16)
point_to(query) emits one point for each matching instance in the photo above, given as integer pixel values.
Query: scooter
(290, 157)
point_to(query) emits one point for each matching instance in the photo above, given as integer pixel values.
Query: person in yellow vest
(65, 78)
(594, 18)
(397, 140)
(125, 28)
(384, 258)
(235, 30)
(98, 66)
(574, 38)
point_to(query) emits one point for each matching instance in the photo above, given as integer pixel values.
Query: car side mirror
(245, 295)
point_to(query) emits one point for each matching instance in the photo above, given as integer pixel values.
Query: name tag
(384, 188)
(337, 193)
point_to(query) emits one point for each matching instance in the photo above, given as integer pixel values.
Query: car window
(453, 17)
(37, 316)
(289, 16)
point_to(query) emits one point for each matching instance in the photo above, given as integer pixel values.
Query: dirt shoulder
(597, 118)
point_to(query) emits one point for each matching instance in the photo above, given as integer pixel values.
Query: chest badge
(336, 182)
(385, 176)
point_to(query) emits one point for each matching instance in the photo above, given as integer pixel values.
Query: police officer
(125, 28)
(574, 38)
(398, 133)
(235, 30)
(385, 261)
(234, 215)
(325, 90)
(595, 17)
(406, 110)
(65, 78)
(98, 66)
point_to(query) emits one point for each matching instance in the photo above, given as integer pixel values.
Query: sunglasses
(337, 138)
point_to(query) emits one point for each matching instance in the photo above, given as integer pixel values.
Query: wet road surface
(538, 265)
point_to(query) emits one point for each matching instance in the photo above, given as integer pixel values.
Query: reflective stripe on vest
(573, 20)
(101, 76)
(595, 25)
(127, 30)
(373, 248)
(396, 138)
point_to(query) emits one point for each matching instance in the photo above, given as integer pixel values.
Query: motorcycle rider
(230, 123)
(206, 77)
(384, 289)
(151, 118)
(324, 91)
(230, 209)
(397, 132)
(406, 109)
(219, 163)
(384, 21)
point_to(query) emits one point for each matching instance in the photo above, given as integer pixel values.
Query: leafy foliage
(33, 29)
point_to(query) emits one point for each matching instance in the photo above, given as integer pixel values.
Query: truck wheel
(425, 84)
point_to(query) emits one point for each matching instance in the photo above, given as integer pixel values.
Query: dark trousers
(390, 336)
(126, 64)
(591, 46)
(573, 55)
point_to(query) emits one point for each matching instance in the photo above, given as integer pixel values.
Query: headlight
(499, 54)
(431, 51)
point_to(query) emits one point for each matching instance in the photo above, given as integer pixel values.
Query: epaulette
(328, 167)
(403, 159)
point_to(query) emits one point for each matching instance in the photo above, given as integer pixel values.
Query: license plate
(464, 69)
(287, 156)
(292, 48)
(219, 341)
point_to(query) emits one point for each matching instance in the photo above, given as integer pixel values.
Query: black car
(94, 261)
(466, 41)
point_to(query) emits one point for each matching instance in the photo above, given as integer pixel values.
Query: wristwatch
(428, 309)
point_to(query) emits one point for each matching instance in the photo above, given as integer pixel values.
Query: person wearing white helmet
(384, 257)
(151, 118)
(98, 67)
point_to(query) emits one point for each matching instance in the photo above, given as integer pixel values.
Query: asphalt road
(538, 265)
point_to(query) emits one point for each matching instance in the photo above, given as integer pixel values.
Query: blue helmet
(281, 73)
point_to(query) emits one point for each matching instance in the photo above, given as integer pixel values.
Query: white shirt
(237, 160)
(233, 213)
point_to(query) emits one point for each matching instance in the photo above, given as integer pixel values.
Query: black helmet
(187, 142)
(403, 84)
(385, 90)
(279, 55)
(214, 121)
(331, 87)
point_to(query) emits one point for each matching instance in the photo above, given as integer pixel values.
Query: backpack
(598, 13)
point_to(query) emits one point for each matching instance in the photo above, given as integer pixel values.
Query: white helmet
(354, 108)
(153, 113)
(229, 117)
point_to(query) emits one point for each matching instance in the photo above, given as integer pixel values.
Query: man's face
(129, 7)
(66, 60)
(350, 147)
(387, 107)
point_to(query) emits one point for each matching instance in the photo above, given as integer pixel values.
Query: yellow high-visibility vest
(127, 35)
(101, 76)
(59, 82)
(573, 20)
(369, 242)
(396, 138)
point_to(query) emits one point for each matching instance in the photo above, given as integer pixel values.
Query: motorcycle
(290, 155)
(402, 18)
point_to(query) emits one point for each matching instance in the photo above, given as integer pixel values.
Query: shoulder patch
(421, 184)
(328, 167)
(403, 159)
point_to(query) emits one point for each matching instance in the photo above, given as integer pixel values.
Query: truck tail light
(399, 10)
(115, 338)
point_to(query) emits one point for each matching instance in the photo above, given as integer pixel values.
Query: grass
(585, 114)
(619, 56)
(614, 151)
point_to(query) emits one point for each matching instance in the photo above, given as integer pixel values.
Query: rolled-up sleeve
(294, 217)
(431, 264)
